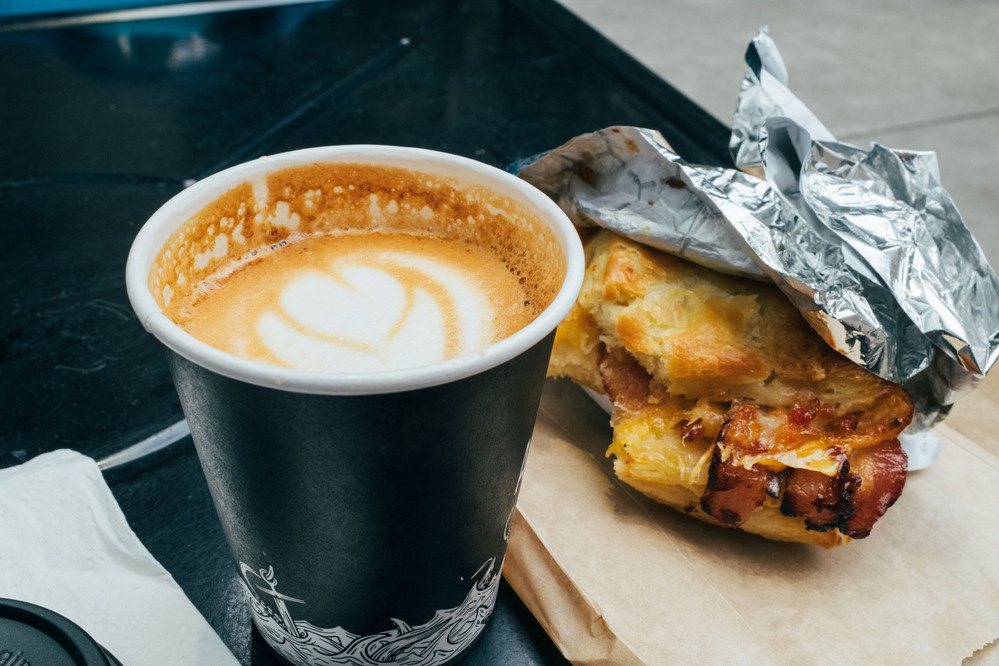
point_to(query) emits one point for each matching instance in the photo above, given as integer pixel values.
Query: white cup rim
(182, 206)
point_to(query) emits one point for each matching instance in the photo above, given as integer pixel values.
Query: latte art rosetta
(360, 303)
(360, 316)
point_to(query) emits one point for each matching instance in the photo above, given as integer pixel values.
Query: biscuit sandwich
(727, 405)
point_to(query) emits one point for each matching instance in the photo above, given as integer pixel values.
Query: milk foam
(358, 317)
(361, 303)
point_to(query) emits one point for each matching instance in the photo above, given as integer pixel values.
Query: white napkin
(67, 546)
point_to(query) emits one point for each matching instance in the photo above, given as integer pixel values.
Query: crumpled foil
(765, 94)
(866, 243)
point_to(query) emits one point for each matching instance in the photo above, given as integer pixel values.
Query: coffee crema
(354, 268)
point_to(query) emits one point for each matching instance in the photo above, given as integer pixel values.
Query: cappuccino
(351, 268)
(338, 488)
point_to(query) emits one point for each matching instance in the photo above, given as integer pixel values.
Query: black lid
(32, 636)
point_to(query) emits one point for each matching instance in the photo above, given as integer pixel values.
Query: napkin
(67, 546)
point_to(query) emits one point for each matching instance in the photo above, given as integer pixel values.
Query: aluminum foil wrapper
(629, 180)
(765, 94)
(866, 244)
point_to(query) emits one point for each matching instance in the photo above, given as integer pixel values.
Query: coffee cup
(363, 412)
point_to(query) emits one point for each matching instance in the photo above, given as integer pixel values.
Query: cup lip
(182, 206)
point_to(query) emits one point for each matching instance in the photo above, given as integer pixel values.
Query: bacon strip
(823, 500)
(854, 499)
(734, 492)
(881, 471)
(626, 382)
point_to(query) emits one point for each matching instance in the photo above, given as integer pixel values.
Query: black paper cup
(367, 513)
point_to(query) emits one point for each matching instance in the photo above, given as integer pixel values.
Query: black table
(104, 116)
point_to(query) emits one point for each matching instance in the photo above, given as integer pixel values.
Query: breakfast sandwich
(727, 405)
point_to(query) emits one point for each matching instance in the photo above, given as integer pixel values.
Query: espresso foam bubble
(342, 314)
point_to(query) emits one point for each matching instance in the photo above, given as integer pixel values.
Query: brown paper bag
(616, 578)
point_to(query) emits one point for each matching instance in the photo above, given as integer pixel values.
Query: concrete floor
(910, 74)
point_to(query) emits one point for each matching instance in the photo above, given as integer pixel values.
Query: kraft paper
(616, 578)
